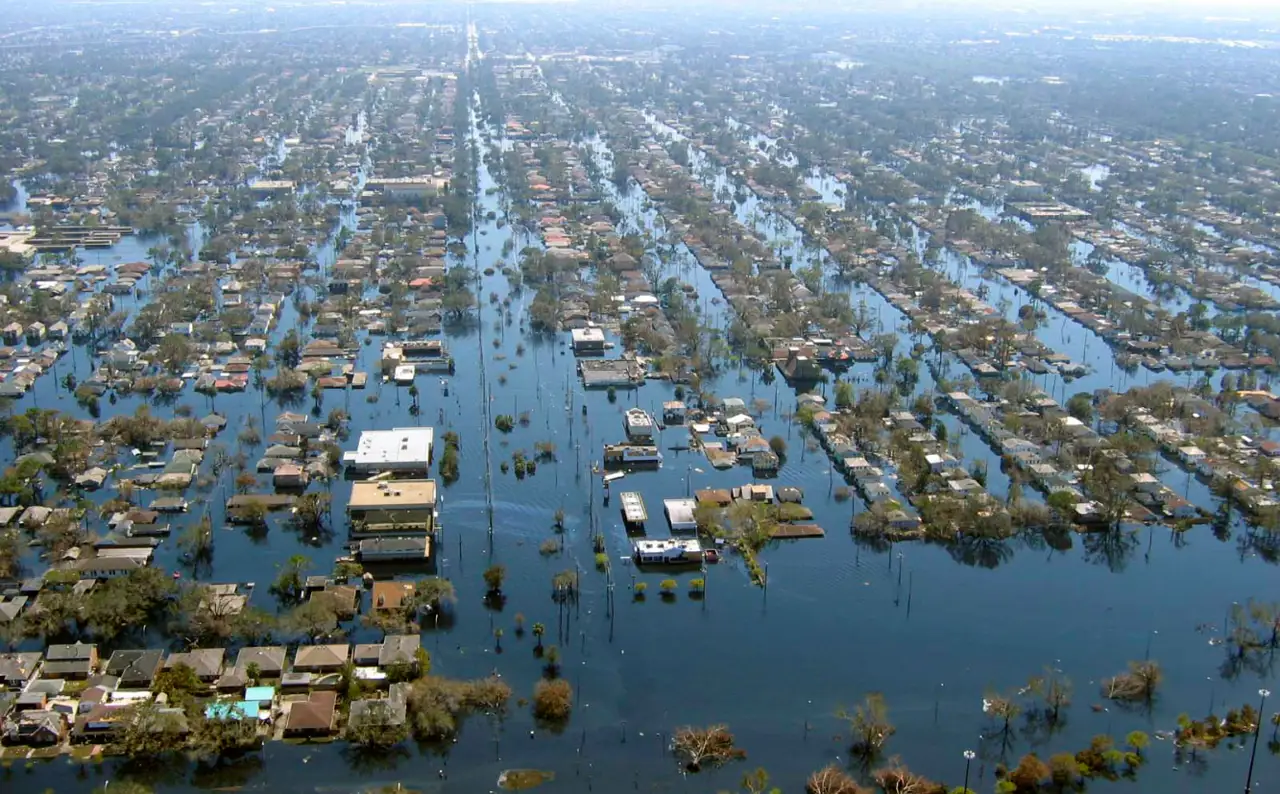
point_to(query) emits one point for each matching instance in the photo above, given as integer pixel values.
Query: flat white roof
(680, 512)
(399, 448)
(591, 334)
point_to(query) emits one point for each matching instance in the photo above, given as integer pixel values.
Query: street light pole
(969, 755)
(1248, 782)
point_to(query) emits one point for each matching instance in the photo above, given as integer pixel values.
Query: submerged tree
(711, 746)
(1137, 684)
(869, 726)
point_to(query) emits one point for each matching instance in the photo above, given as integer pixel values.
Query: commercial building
(588, 341)
(399, 508)
(403, 449)
(408, 187)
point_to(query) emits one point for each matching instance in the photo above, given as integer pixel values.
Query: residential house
(35, 727)
(75, 661)
(16, 669)
(206, 663)
(103, 567)
(321, 658)
(390, 595)
(136, 669)
(1191, 455)
(268, 660)
(289, 475)
(390, 711)
(313, 716)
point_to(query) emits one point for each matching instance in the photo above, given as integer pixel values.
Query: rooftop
(389, 450)
(397, 493)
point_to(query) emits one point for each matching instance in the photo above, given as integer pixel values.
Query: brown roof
(716, 496)
(320, 656)
(314, 714)
(390, 595)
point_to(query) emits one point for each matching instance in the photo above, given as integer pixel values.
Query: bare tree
(1139, 683)
(831, 779)
(869, 725)
(712, 746)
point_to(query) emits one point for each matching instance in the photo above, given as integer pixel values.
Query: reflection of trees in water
(1041, 724)
(226, 775)
(1264, 543)
(375, 759)
(1261, 663)
(982, 551)
(1112, 548)
(165, 770)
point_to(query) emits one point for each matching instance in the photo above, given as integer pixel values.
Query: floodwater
(932, 628)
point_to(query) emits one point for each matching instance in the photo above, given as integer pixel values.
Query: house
(313, 716)
(856, 465)
(1144, 482)
(1191, 455)
(399, 649)
(137, 669)
(344, 598)
(321, 658)
(901, 520)
(123, 355)
(1177, 507)
(36, 727)
(391, 595)
(16, 669)
(289, 475)
(92, 479)
(395, 549)
(206, 663)
(75, 661)
(720, 497)
(674, 412)
(391, 711)
(103, 567)
(98, 723)
(267, 660)
(12, 333)
(964, 486)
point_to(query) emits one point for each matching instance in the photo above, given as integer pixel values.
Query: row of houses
(869, 479)
(41, 705)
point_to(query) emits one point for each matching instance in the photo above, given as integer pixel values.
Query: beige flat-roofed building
(393, 508)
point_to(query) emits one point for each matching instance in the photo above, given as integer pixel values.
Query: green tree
(128, 603)
(376, 727)
(290, 583)
(145, 731)
(1081, 407)
(216, 738)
